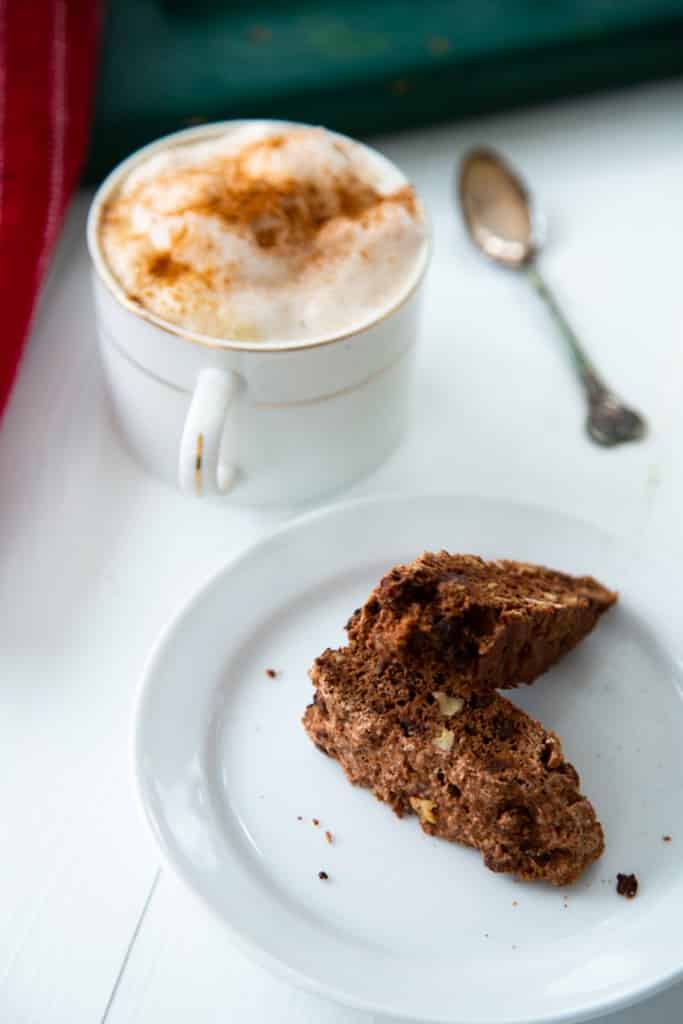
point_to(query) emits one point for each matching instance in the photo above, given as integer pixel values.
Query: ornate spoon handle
(609, 421)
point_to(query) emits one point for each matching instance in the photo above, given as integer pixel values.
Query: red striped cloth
(48, 51)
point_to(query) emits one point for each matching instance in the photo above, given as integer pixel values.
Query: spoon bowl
(497, 208)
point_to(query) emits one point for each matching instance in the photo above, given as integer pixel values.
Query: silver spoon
(499, 216)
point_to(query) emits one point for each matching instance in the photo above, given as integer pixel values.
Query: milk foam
(264, 233)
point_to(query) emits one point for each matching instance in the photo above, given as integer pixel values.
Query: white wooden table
(96, 556)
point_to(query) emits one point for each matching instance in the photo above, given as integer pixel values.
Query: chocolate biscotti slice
(475, 770)
(493, 624)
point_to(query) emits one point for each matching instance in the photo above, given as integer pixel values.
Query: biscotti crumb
(315, 822)
(627, 885)
(329, 837)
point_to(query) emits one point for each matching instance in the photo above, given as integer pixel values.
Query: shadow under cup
(253, 422)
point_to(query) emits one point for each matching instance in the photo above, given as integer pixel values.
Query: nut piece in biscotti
(479, 772)
(491, 625)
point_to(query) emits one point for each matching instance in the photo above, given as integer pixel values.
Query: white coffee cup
(261, 422)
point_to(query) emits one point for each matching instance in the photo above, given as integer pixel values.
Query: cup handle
(200, 471)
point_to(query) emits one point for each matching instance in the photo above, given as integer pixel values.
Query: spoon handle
(591, 379)
(609, 421)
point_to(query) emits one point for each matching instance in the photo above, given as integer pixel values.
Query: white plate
(407, 924)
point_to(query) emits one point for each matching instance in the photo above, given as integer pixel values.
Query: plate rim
(250, 948)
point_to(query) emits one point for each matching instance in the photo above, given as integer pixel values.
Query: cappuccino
(266, 233)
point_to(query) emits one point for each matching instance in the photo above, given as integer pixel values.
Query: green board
(363, 68)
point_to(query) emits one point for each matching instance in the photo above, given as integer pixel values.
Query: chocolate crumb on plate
(627, 885)
(666, 839)
(315, 822)
(271, 673)
(323, 876)
(329, 837)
